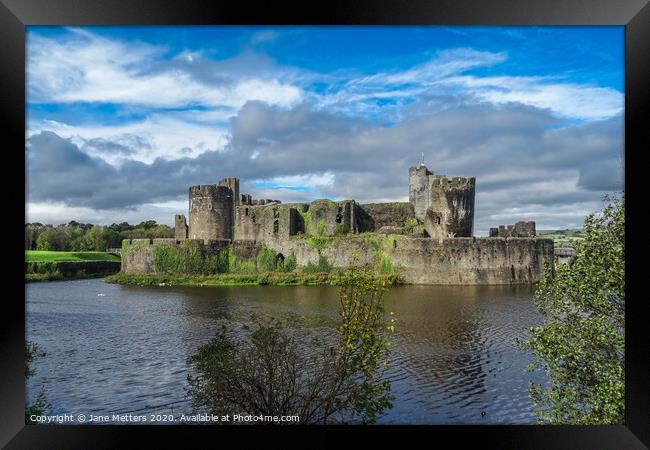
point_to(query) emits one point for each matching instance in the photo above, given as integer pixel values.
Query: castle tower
(180, 227)
(446, 207)
(233, 184)
(211, 212)
(419, 190)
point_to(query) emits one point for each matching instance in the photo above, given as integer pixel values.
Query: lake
(123, 349)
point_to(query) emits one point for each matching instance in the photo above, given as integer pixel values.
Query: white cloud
(567, 100)
(307, 180)
(89, 68)
(159, 136)
(444, 75)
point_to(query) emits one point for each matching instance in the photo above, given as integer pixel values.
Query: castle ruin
(431, 235)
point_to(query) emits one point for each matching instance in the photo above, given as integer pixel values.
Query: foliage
(222, 279)
(322, 266)
(384, 265)
(342, 229)
(365, 225)
(410, 224)
(270, 373)
(581, 342)
(237, 279)
(40, 404)
(188, 259)
(290, 263)
(320, 228)
(49, 276)
(267, 260)
(76, 237)
(319, 243)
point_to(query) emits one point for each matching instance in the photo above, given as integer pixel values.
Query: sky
(122, 120)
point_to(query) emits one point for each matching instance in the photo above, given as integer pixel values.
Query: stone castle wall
(211, 212)
(418, 260)
(180, 227)
(519, 229)
(264, 222)
(446, 207)
(373, 216)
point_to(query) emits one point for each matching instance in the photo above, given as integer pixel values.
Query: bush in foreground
(270, 374)
(581, 342)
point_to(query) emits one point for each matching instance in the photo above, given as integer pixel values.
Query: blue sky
(137, 114)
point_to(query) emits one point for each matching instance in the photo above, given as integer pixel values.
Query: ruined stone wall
(211, 212)
(519, 229)
(451, 207)
(565, 255)
(429, 261)
(180, 227)
(232, 183)
(334, 217)
(245, 249)
(373, 216)
(275, 221)
(419, 260)
(446, 207)
(419, 189)
(138, 254)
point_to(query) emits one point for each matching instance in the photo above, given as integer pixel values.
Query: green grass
(232, 279)
(49, 276)
(562, 236)
(50, 256)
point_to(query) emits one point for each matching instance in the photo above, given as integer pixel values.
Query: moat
(123, 349)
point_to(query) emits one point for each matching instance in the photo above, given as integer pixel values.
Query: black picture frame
(633, 14)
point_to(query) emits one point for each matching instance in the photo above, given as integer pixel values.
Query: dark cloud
(104, 146)
(525, 161)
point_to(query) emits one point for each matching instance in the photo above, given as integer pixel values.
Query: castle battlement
(443, 182)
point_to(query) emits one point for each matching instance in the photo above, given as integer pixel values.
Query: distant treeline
(75, 236)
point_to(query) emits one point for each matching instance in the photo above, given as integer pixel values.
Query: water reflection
(452, 361)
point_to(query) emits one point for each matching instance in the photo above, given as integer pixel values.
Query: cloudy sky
(121, 120)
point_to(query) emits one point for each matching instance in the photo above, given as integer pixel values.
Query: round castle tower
(446, 207)
(211, 212)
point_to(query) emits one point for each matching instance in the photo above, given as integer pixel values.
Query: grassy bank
(51, 266)
(50, 256)
(58, 276)
(236, 279)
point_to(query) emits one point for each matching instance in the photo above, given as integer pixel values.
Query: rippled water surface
(123, 349)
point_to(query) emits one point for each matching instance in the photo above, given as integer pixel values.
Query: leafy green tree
(48, 239)
(96, 239)
(271, 374)
(580, 344)
(40, 404)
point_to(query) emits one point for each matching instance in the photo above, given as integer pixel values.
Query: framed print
(374, 218)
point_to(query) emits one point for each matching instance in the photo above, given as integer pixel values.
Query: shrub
(581, 343)
(342, 229)
(290, 263)
(385, 266)
(320, 228)
(269, 373)
(323, 266)
(267, 260)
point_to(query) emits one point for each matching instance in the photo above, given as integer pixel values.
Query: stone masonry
(441, 208)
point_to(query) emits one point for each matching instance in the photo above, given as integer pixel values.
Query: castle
(430, 237)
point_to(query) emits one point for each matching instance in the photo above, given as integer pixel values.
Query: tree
(581, 342)
(40, 404)
(48, 239)
(270, 374)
